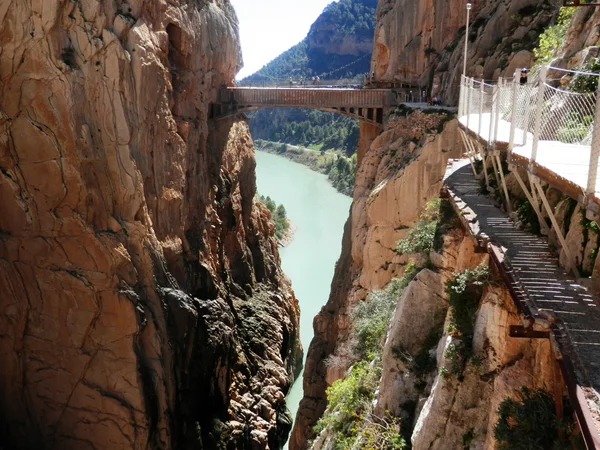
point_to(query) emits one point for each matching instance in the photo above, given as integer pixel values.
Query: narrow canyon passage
(319, 213)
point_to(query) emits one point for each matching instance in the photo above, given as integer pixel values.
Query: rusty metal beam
(519, 331)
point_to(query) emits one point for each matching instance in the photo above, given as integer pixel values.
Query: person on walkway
(523, 78)
(291, 81)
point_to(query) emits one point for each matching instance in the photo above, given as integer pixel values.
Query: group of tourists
(436, 100)
(315, 80)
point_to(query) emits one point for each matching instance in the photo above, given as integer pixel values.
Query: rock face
(392, 173)
(143, 305)
(422, 43)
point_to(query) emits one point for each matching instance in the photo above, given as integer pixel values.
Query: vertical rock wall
(422, 43)
(401, 171)
(142, 302)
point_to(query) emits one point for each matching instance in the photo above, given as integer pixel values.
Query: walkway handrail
(543, 110)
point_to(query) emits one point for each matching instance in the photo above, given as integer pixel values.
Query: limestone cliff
(422, 43)
(143, 305)
(402, 170)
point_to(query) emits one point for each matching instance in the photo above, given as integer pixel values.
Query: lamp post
(466, 40)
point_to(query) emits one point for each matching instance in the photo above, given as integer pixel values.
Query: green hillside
(338, 46)
(319, 53)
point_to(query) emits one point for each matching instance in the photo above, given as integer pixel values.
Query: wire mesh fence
(547, 122)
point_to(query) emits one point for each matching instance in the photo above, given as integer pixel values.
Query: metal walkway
(543, 293)
(368, 105)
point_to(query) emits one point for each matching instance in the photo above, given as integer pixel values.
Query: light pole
(466, 40)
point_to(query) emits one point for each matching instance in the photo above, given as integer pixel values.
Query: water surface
(319, 213)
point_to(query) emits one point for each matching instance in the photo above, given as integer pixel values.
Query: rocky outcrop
(143, 305)
(404, 166)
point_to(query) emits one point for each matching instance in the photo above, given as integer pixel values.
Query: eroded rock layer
(142, 302)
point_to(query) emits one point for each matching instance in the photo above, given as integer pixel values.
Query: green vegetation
(530, 423)
(371, 317)
(527, 215)
(589, 227)
(421, 237)
(340, 170)
(345, 20)
(349, 399)
(553, 37)
(306, 127)
(586, 83)
(348, 415)
(278, 216)
(464, 291)
(576, 127)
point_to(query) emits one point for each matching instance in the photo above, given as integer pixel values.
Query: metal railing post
(513, 115)
(497, 106)
(538, 117)
(480, 108)
(490, 131)
(469, 90)
(460, 98)
(595, 148)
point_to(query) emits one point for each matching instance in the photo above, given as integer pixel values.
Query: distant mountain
(338, 45)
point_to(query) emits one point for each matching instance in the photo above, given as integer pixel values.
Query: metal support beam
(465, 139)
(532, 201)
(480, 108)
(513, 115)
(495, 171)
(504, 187)
(485, 169)
(519, 331)
(556, 226)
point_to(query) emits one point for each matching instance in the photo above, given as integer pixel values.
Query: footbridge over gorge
(368, 105)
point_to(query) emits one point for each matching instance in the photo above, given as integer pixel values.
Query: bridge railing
(308, 83)
(548, 120)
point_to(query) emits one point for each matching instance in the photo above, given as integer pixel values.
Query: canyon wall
(142, 301)
(422, 43)
(402, 170)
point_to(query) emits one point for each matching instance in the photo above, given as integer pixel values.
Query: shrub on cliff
(553, 37)
(421, 237)
(372, 316)
(464, 291)
(530, 423)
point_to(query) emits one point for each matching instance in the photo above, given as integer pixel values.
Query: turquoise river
(319, 213)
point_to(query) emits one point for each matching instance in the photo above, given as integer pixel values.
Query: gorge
(143, 300)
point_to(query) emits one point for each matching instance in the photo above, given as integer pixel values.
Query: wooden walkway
(542, 289)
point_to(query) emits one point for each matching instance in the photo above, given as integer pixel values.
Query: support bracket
(519, 331)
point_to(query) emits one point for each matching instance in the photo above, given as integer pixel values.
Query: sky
(270, 27)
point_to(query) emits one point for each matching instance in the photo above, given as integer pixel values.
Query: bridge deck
(311, 97)
(543, 286)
